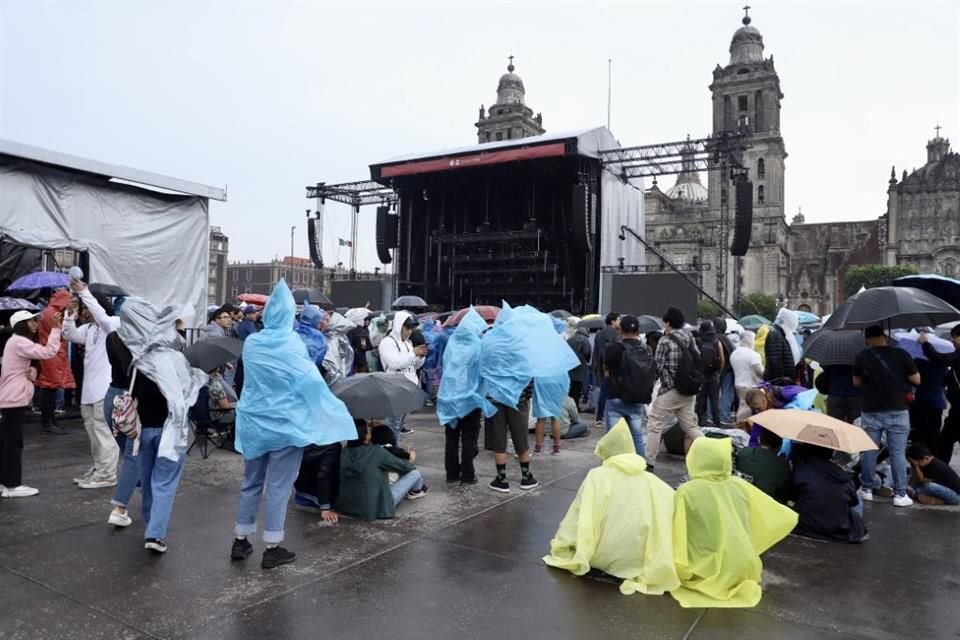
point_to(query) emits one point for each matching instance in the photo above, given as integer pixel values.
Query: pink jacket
(16, 388)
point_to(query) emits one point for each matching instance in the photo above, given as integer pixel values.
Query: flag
(345, 243)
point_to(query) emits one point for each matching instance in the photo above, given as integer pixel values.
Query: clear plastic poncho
(621, 522)
(285, 402)
(461, 390)
(522, 345)
(306, 328)
(338, 361)
(721, 525)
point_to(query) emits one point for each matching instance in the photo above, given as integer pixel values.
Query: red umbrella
(253, 298)
(488, 313)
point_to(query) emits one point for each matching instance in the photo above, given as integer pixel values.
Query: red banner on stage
(451, 163)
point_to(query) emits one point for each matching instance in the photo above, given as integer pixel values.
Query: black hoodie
(823, 496)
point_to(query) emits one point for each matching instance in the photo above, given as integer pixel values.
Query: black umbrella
(107, 290)
(832, 347)
(211, 354)
(649, 324)
(561, 314)
(947, 289)
(406, 303)
(314, 296)
(892, 307)
(378, 395)
(593, 324)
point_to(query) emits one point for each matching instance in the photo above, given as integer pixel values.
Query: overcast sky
(265, 98)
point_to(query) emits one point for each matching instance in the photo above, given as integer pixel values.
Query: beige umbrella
(815, 428)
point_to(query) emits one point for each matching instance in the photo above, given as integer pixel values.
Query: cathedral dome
(688, 192)
(510, 89)
(747, 44)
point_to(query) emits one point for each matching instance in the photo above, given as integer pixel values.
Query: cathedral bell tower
(509, 117)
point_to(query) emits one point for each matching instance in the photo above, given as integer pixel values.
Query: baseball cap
(249, 309)
(20, 316)
(629, 324)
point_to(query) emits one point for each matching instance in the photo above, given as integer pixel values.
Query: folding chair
(205, 430)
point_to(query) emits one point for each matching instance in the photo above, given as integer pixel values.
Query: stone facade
(509, 118)
(217, 268)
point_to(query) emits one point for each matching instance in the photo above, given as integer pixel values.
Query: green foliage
(706, 309)
(874, 275)
(757, 303)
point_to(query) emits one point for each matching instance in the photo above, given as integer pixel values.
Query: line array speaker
(583, 215)
(315, 256)
(388, 228)
(743, 217)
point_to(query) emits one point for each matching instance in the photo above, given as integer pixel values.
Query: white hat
(20, 316)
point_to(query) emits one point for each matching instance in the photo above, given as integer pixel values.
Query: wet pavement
(462, 563)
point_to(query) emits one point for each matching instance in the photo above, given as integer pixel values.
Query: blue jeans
(159, 478)
(575, 430)
(896, 426)
(636, 416)
(274, 474)
(601, 397)
(410, 481)
(112, 393)
(129, 476)
(727, 394)
(396, 423)
(934, 490)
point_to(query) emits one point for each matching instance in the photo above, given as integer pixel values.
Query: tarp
(621, 204)
(151, 244)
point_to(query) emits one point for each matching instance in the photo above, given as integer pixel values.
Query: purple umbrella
(17, 304)
(41, 280)
(908, 342)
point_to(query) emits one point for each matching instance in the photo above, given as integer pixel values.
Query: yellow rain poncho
(760, 342)
(619, 522)
(721, 526)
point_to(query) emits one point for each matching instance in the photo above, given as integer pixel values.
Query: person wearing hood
(359, 338)
(285, 406)
(398, 355)
(825, 497)
(379, 329)
(338, 361)
(781, 350)
(727, 392)
(579, 343)
(310, 326)
(721, 525)
(620, 522)
(714, 362)
(55, 373)
(365, 489)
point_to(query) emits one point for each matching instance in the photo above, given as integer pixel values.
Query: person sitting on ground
(365, 489)
(721, 525)
(222, 401)
(620, 522)
(318, 482)
(763, 468)
(934, 482)
(569, 419)
(825, 497)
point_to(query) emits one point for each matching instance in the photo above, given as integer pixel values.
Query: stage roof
(585, 142)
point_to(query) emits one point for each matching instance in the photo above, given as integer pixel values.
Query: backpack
(710, 353)
(638, 374)
(689, 376)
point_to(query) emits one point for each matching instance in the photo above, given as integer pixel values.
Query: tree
(757, 303)
(874, 275)
(706, 309)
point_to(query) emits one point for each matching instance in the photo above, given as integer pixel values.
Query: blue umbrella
(941, 286)
(41, 280)
(908, 342)
(805, 317)
(17, 304)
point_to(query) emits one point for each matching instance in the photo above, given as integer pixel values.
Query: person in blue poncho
(310, 328)
(285, 406)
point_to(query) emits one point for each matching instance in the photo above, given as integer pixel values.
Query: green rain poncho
(720, 527)
(619, 522)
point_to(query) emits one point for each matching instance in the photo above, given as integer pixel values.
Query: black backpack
(689, 376)
(638, 374)
(710, 354)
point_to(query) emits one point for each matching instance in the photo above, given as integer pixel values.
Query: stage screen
(652, 293)
(357, 293)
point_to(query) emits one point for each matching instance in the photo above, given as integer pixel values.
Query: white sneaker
(118, 519)
(902, 501)
(866, 495)
(86, 475)
(22, 491)
(98, 483)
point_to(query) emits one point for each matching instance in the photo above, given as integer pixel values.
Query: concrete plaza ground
(462, 563)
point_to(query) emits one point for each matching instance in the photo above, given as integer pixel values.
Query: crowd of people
(505, 376)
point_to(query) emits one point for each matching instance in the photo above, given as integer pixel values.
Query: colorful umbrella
(253, 298)
(17, 304)
(487, 312)
(41, 280)
(805, 317)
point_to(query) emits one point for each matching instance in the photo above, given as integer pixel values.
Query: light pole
(293, 230)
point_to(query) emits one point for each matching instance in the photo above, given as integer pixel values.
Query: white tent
(146, 233)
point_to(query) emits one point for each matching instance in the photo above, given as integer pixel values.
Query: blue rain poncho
(522, 345)
(285, 402)
(548, 395)
(461, 389)
(306, 328)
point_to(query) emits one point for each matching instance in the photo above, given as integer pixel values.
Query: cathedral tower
(509, 117)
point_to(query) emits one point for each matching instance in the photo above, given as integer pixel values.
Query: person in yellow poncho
(619, 522)
(760, 342)
(721, 525)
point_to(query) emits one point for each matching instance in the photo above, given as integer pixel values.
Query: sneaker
(500, 484)
(276, 556)
(118, 519)
(85, 476)
(556, 450)
(54, 430)
(404, 431)
(98, 483)
(537, 449)
(416, 495)
(23, 491)
(303, 502)
(902, 501)
(240, 549)
(866, 494)
(155, 544)
(528, 482)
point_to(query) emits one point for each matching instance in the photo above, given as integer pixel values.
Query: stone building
(217, 269)
(260, 277)
(509, 117)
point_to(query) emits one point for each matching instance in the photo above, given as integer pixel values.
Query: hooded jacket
(93, 337)
(781, 351)
(306, 328)
(396, 354)
(338, 361)
(579, 343)
(55, 373)
(620, 522)
(823, 494)
(721, 525)
(364, 488)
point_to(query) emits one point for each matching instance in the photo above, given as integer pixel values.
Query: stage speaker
(583, 216)
(743, 217)
(387, 234)
(315, 256)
